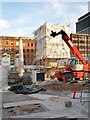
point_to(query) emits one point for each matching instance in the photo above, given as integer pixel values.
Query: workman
(58, 74)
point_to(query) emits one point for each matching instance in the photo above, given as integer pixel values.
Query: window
(12, 43)
(31, 44)
(12, 49)
(27, 50)
(31, 50)
(28, 44)
(24, 62)
(23, 44)
(17, 50)
(1, 49)
(81, 41)
(17, 43)
(32, 56)
(24, 50)
(28, 56)
(24, 56)
(6, 49)
(6, 42)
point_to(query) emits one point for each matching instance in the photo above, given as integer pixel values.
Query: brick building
(82, 42)
(10, 45)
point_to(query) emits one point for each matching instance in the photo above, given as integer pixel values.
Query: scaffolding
(50, 50)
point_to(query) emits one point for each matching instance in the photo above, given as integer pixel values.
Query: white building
(49, 47)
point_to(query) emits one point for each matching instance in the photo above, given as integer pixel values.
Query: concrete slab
(7, 105)
(42, 96)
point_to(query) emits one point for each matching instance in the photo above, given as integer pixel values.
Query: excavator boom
(72, 47)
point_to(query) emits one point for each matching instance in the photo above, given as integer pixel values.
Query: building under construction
(51, 50)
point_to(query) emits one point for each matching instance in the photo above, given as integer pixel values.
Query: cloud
(44, 1)
(17, 32)
(51, 12)
(4, 24)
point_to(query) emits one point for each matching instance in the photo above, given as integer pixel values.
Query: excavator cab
(75, 64)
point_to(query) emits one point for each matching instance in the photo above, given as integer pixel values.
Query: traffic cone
(74, 92)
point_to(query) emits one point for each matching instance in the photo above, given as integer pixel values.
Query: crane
(75, 68)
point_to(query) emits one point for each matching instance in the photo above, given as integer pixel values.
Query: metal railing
(85, 92)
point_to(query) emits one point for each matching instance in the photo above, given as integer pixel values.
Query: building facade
(10, 45)
(82, 42)
(50, 49)
(83, 24)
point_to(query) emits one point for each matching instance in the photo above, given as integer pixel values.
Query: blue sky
(22, 18)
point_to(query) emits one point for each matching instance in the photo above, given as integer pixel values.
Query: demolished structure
(50, 50)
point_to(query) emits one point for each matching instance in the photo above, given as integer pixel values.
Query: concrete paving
(55, 105)
(42, 96)
(56, 108)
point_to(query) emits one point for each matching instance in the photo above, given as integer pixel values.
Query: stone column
(21, 63)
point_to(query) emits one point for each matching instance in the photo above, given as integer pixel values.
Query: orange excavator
(75, 68)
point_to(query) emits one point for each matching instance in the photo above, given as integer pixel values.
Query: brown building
(10, 45)
(82, 42)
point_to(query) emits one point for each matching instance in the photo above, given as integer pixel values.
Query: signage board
(5, 59)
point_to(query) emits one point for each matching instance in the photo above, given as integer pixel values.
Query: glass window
(12, 49)
(27, 56)
(24, 56)
(31, 44)
(17, 50)
(12, 43)
(17, 43)
(31, 50)
(6, 42)
(6, 49)
(23, 50)
(27, 50)
(1, 49)
(28, 44)
(23, 44)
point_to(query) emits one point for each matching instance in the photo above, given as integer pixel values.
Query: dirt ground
(61, 86)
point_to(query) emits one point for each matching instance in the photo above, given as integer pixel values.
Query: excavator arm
(72, 47)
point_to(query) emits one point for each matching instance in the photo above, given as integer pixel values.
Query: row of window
(28, 56)
(28, 44)
(29, 50)
(81, 41)
(11, 43)
(17, 44)
(17, 50)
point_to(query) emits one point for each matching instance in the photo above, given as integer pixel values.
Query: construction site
(54, 86)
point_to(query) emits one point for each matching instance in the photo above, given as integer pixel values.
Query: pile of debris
(21, 89)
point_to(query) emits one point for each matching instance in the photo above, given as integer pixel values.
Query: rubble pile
(21, 89)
